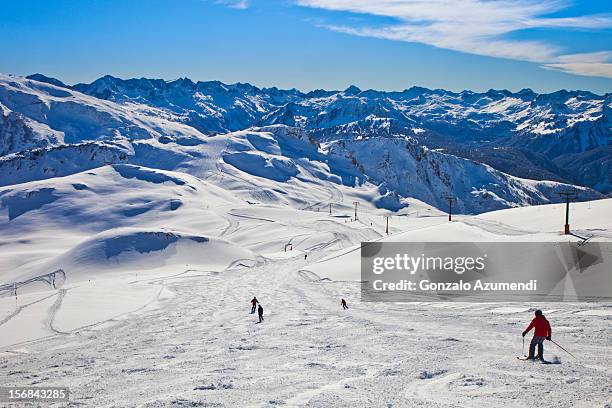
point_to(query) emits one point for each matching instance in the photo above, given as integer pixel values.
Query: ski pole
(523, 345)
(557, 344)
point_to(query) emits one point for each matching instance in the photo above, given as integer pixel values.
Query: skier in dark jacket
(542, 332)
(260, 313)
(343, 303)
(254, 303)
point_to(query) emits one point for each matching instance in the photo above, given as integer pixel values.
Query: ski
(535, 361)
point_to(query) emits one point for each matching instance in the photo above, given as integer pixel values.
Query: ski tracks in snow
(53, 311)
(203, 347)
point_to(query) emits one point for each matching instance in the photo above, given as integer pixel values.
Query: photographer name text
(425, 285)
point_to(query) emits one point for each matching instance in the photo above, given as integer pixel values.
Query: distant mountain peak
(46, 79)
(183, 81)
(352, 90)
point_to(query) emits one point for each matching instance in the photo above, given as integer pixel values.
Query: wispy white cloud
(237, 4)
(477, 27)
(591, 64)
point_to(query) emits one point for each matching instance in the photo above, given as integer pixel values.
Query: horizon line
(358, 90)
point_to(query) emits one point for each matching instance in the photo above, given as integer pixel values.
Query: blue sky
(384, 44)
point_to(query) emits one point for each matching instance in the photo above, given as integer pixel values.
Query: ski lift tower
(567, 195)
(450, 200)
(387, 228)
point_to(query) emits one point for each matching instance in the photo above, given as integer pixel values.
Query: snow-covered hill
(135, 282)
(47, 115)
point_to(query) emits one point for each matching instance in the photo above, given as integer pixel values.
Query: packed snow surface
(133, 288)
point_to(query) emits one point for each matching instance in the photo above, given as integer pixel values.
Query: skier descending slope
(542, 332)
(343, 303)
(254, 302)
(260, 313)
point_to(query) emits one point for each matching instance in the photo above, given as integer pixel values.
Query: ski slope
(152, 307)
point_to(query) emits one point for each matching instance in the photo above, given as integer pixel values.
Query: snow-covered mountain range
(563, 136)
(487, 149)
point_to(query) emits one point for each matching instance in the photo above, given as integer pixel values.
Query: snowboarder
(343, 303)
(254, 303)
(542, 332)
(260, 313)
(305, 256)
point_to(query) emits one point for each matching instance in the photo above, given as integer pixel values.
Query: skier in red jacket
(542, 332)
